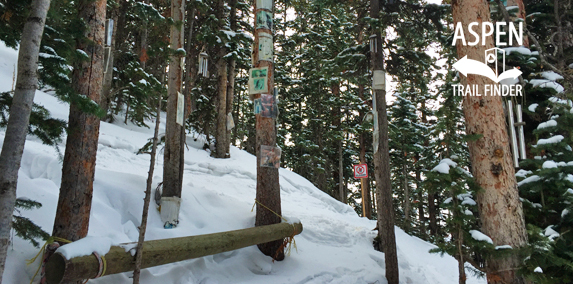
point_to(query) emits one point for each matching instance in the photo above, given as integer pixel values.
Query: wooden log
(159, 252)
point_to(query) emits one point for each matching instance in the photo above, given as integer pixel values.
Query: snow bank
(218, 194)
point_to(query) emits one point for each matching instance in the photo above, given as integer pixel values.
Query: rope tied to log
(42, 251)
(289, 241)
(57, 240)
(102, 265)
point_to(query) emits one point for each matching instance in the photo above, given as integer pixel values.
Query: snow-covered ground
(218, 194)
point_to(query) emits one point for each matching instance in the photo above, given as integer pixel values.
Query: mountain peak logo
(469, 66)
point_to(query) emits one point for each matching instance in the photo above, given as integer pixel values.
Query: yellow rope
(257, 202)
(289, 240)
(42, 251)
(104, 266)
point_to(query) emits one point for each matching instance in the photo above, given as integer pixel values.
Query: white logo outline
(470, 66)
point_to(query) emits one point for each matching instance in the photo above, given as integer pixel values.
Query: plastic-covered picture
(265, 4)
(265, 47)
(180, 109)
(270, 156)
(257, 105)
(269, 106)
(264, 20)
(258, 80)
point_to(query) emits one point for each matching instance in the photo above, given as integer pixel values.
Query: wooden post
(268, 189)
(174, 131)
(366, 210)
(159, 252)
(385, 211)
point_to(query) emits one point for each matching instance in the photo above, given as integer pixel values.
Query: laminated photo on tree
(264, 20)
(270, 156)
(269, 106)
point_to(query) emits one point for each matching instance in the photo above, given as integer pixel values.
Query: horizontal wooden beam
(158, 252)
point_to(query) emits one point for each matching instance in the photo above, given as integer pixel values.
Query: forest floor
(218, 194)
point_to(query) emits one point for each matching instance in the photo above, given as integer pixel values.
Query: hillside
(335, 246)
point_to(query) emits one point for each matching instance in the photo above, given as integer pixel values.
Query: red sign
(361, 171)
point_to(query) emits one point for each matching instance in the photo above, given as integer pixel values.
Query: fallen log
(159, 252)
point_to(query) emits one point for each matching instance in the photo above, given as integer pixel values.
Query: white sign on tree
(180, 108)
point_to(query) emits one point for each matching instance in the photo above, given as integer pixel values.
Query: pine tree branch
(535, 41)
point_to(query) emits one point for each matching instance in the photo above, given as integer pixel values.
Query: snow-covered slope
(218, 194)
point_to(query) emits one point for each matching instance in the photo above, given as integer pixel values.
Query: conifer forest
(286, 141)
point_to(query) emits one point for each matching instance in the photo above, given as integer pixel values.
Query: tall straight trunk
(341, 188)
(407, 201)
(420, 196)
(221, 132)
(520, 14)
(498, 202)
(78, 170)
(172, 160)
(458, 237)
(108, 76)
(336, 117)
(143, 43)
(13, 146)
(119, 43)
(364, 183)
(433, 213)
(382, 163)
(231, 76)
(268, 188)
(191, 64)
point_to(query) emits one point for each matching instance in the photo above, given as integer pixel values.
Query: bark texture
(385, 209)
(74, 203)
(17, 129)
(221, 132)
(498, 202)
(364, 183)
(172, 166)
(231, 73)
(268, 188)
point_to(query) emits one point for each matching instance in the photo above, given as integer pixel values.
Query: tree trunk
(221, 132)
(172, 160)
(231, 77)
(17, 129)
(382, 164)
(108, 76)
(498, 202)
(407, 202)
(341, 188)
(78, 170)
(364, 183)
(421, 216)
(433, 213)
(268, 188)
(520, 14)
(191, 61)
